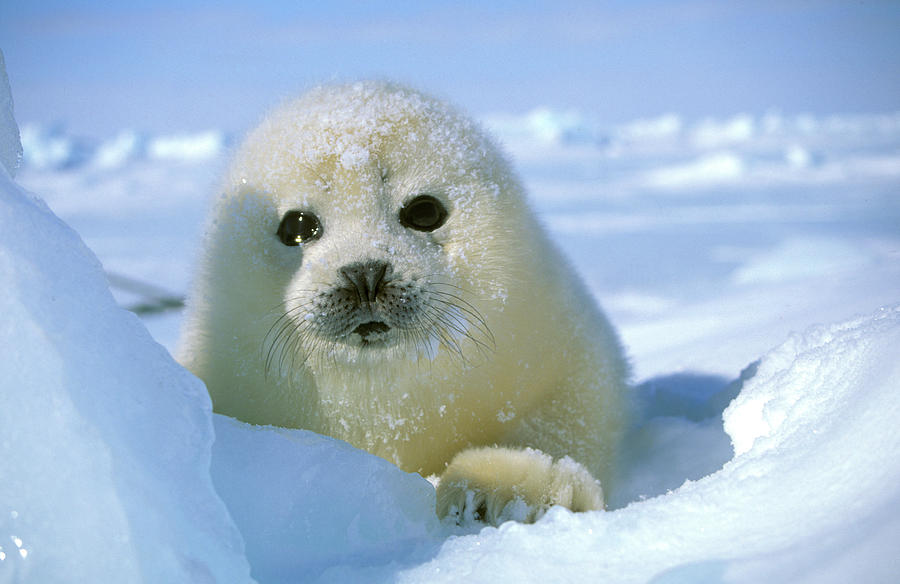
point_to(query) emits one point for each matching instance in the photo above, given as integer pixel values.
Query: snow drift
(307, 502)
(104, 440)
(811, 495)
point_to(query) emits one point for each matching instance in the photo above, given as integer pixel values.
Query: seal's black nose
(367, 278)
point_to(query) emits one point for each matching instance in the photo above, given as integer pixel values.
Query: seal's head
(380, 204)
(362, 223)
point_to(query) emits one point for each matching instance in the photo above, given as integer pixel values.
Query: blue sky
(188, 65)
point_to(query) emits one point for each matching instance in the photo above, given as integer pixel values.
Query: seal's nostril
(367, 278)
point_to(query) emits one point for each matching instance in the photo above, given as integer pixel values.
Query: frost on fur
(495, 484)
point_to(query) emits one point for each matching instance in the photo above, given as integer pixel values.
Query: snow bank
(305, 502)
(817, 430)
(104, 440)
(813, 494)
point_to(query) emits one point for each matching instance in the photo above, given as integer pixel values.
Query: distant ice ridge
(52, 148)
(669, 154)
(545, 125)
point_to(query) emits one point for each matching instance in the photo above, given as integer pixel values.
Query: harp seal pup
(371, 272)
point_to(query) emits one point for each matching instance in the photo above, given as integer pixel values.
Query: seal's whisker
(468, 308)
(434, 314)
(477, 321)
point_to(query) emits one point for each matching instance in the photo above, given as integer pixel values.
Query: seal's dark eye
(424, 213)
(299, 227)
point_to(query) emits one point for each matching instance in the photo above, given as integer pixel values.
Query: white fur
(524, 359)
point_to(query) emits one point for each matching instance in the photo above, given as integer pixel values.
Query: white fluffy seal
(371, 272)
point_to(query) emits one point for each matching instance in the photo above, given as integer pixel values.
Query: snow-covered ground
(712, 244)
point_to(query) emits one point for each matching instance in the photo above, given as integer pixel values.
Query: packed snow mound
(812, 495)
(306, 502)
(105, 441)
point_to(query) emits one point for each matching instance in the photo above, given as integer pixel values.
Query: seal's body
(372, 272)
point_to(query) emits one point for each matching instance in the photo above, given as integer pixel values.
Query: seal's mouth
(370, 331)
